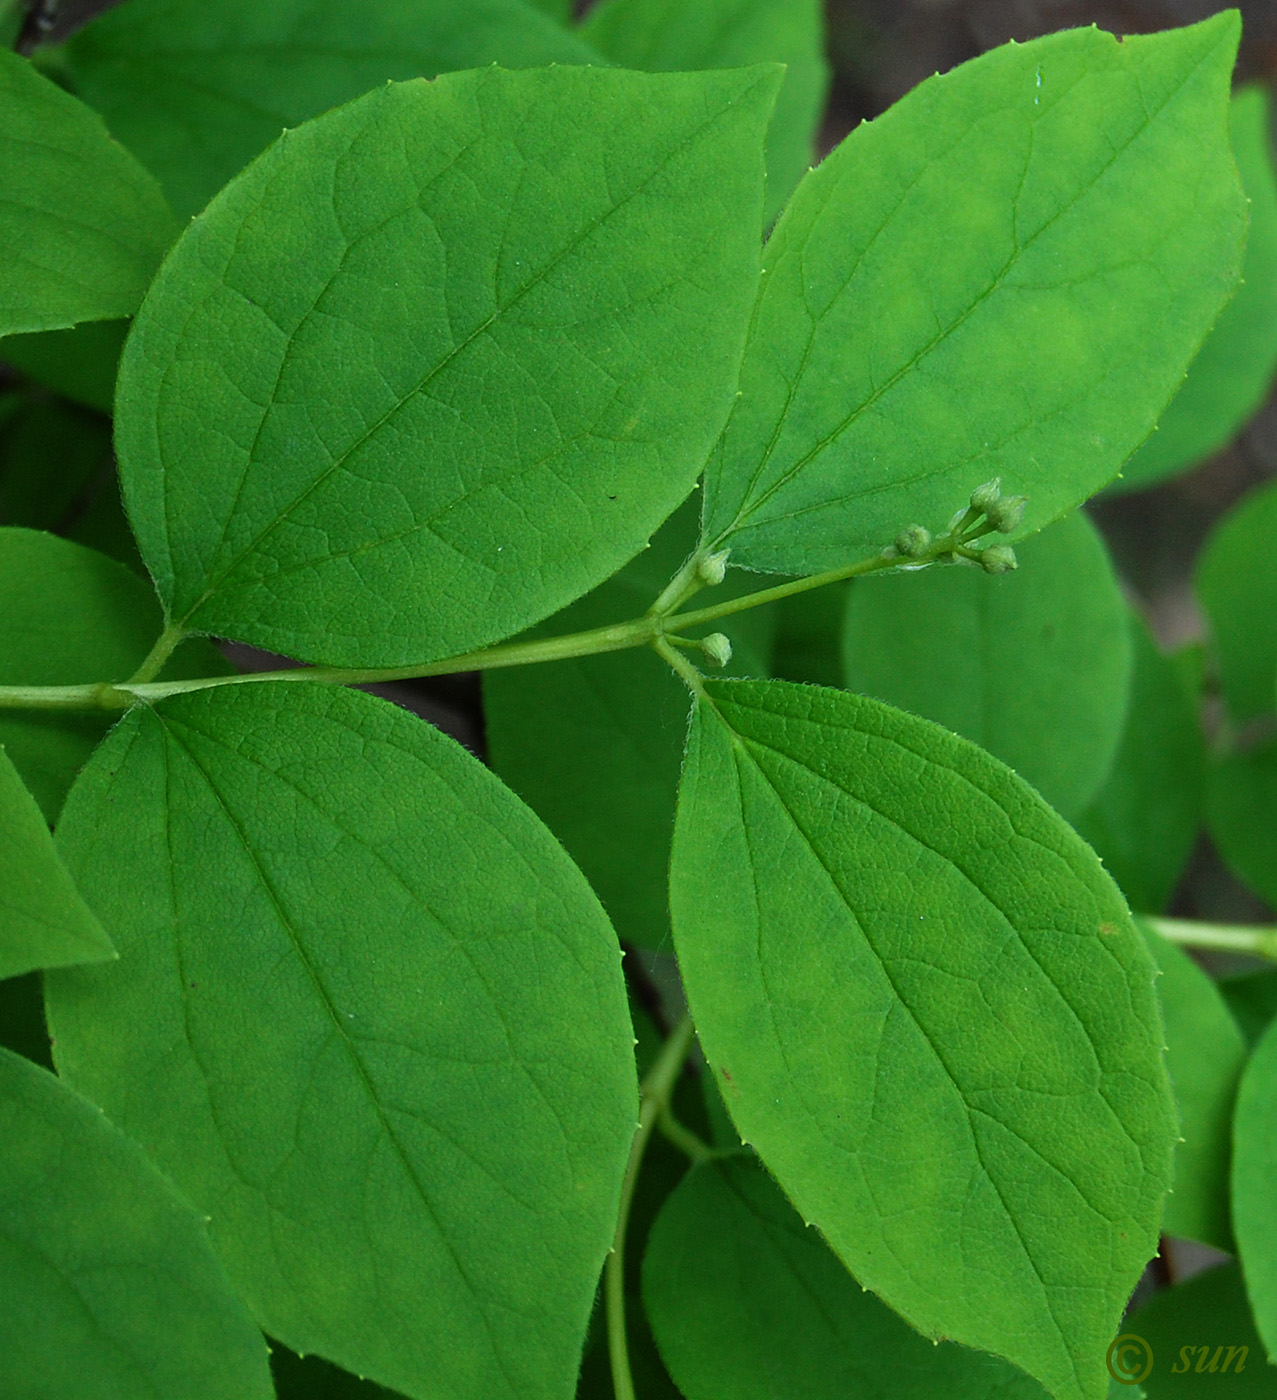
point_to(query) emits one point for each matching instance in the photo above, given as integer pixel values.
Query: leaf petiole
(1255, 939)
(641, 631)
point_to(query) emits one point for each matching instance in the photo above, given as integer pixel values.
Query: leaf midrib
(667, 158)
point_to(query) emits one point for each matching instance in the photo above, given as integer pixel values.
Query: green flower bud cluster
(913, 542)
(997, 559)
(717, 649)
(1003, 513)
(711, 569)
(989, 512)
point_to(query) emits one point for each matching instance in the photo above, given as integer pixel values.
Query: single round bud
(712, 568)
(1005, 515)
(717, 649)
(986, 496)
(998, 559)
(914, 541)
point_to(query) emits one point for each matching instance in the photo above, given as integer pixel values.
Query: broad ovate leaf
(672, 35)
(43, 920)
(1034, 666)
(1233, 372)
(111, 1290)
(929, 1011)
(1205, 1055)
(197, 90)
(1201, 1337)
(1254, 1171)
(746, 1301)
(1006, 274)
(443, 359)
(1144, 819)
(1237, 586)
(1241, 815)
(82, 226)
(369, 1018)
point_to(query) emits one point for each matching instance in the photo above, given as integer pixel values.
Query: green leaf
(111, 1290)
(1034, 666)
(368, 416)
(1207, 1312)
(82, 225)
(1241, 815)
(1237, 585)
(1144, 820)
(79, 363)
(746, 1302)
(1205, 1055)
(670, 35)
(43, 920)
(930, 1013)
(560, 9)
(48, 455)
(1254, 1171)
(70, 616)
(1004, 275)
(197, 90)
(1252, 998)
(369, 1018)
(594, 745)
(1231, 375)
(808, 644)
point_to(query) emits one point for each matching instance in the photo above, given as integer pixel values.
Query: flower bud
(717, 649)
(998, 559)
(1005, 515)
(985, 497)
(712, 568)
(914, 541)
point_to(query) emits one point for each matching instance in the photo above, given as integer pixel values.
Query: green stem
(875, 564)
(681, 665)
(688, 1143)
(617, 637)
(158, 655)
(654, 1096)
(1256, 939)
(640, 631)
(98, 696)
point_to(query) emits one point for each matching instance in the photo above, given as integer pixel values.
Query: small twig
(1258, 940)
